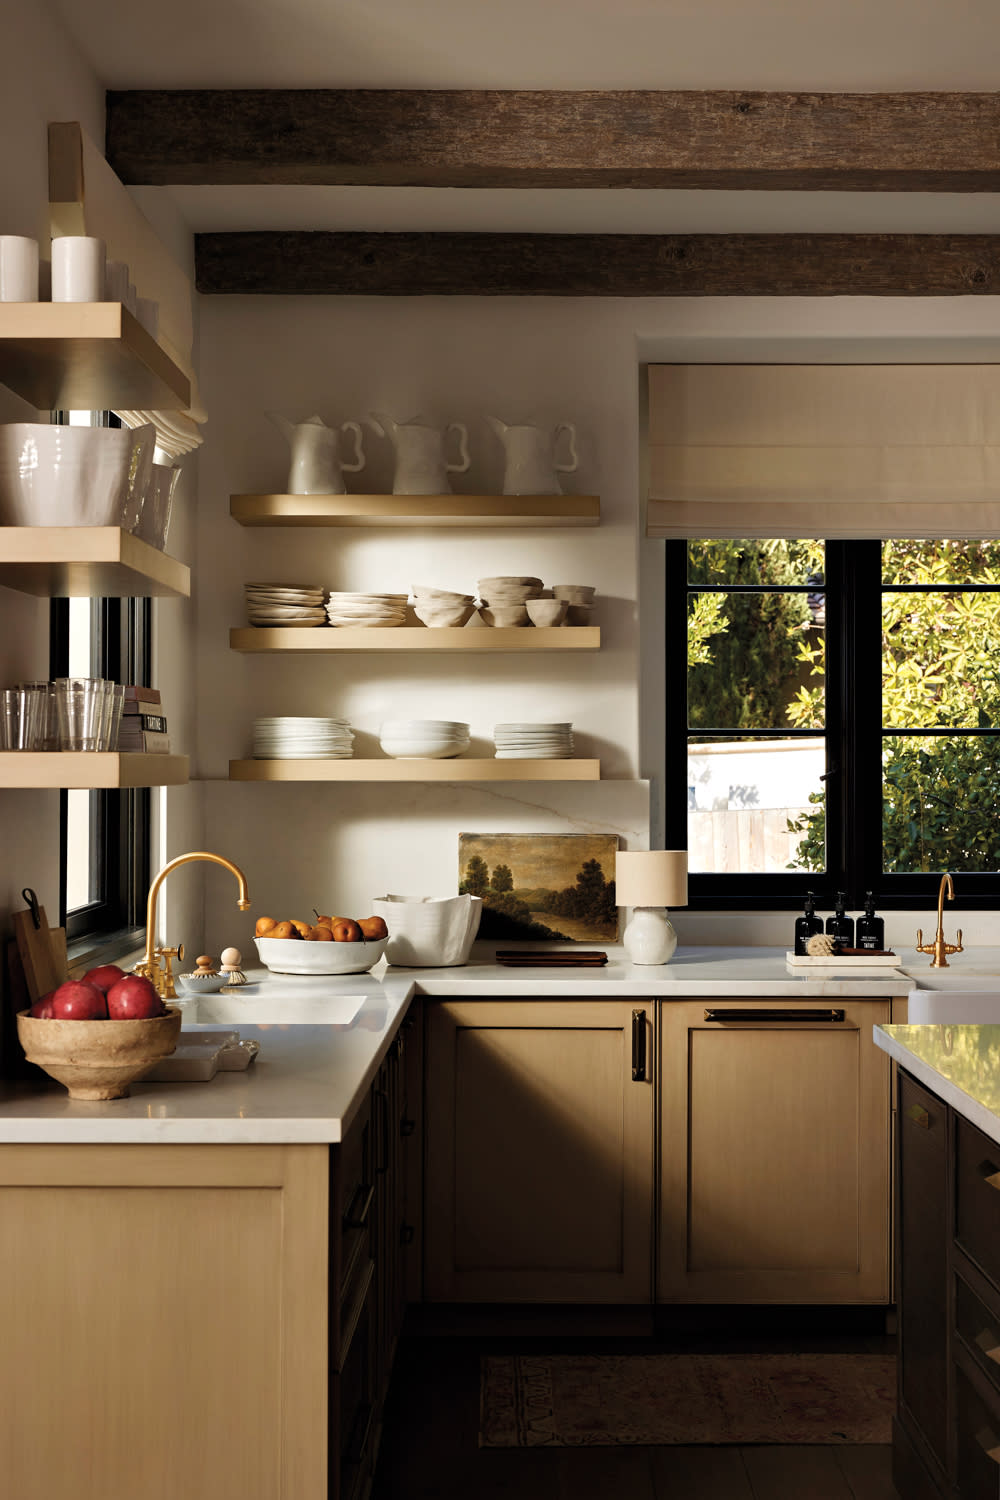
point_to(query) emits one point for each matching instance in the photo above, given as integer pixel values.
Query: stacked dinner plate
(277, 604)
(423, 739)
(533, 741)
(302, 739)
(366, 609)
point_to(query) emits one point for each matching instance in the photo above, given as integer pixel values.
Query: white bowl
(444, 614)
(429, 931)
(296, 956)
(73, 476)
(504, 614)
(546, 611)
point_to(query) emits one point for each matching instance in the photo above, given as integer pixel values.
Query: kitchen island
(203, 1283)
(946, 1436)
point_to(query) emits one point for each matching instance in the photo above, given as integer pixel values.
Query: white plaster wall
(534, 360)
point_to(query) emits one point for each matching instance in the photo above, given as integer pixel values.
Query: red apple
(104, 976)
(134, 998)
(43, 1007)
(78, 1001)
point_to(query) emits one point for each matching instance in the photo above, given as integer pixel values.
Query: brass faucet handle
(959, 949)
(164, 979)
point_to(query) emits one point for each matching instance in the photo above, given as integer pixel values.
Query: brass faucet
(150, 964)
(939, 947)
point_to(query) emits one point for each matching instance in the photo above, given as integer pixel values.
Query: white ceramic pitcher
(421, 465)
(317, 468)
(530, 466)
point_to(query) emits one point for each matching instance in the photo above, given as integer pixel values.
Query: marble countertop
(961, 1064)
(322, 1040)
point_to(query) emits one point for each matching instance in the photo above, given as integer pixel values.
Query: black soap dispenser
(807, 925)
(871, 929)
(840, 926)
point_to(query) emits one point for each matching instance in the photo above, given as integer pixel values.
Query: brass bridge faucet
(150, 965)
(939, 947)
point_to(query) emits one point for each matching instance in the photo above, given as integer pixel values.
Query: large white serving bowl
(295, 956)
(74, 476)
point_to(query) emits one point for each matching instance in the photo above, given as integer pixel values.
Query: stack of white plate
(276, 604)
(366, 609)
(302, 739)
(424, 739)
(533, 741)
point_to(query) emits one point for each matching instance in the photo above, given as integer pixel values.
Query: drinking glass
(114, 701)
(79, 710)
(43, 713)
(24, 718)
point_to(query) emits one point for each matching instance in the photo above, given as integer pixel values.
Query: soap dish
(238, 1057)
(195, 1058)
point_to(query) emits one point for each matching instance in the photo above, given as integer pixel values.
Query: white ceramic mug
(18, 268)
(77, 268)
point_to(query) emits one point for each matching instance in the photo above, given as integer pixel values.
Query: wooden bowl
(98, 1059)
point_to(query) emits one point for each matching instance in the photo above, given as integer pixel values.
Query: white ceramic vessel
(530, 463)
(317, 467)
(73, 476)
(429, 931)
(422, 467)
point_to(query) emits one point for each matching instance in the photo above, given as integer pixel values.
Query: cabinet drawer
(922, 1117)
(977, 1198)
(978, 1330)
(977, 1457)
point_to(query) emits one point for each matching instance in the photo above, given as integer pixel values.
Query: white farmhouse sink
(274, 1010)
(950, 1003)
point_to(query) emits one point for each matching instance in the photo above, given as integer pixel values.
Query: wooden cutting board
(42, 950)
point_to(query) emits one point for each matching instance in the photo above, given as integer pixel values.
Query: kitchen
(549, 360)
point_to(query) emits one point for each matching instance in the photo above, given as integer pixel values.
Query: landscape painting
(542, 887)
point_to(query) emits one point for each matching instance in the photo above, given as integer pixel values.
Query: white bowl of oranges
(330, 945)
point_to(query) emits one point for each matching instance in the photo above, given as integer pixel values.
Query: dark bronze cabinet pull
(765, 1014)
(356, 1216)
(638, 1046)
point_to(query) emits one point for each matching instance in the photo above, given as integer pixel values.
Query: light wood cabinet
(775, 1153)
(538, 1157)
(165, 1321)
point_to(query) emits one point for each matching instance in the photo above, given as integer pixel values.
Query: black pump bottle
(807, 925)
(871, 929)
(840, 926)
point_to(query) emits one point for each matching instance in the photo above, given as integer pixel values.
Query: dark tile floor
(429, 1442)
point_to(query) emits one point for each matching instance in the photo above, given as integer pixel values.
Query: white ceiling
(796, 45)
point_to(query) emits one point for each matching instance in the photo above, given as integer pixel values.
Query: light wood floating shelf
(415, 770)
(416, 510)
(90, 769)
(89, 356)
(101, 562)
(418, 638)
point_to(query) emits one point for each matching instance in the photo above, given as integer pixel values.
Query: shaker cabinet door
(774, 1174)
(538, 1151)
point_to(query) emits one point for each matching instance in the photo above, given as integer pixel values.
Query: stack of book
(143, 726)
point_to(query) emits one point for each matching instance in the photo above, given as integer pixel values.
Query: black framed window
(104, 835)
(833, 720)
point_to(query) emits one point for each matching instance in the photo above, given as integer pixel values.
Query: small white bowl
(546, 611)
(296, 956)
(444, 614)
(200, 984)
(505, 614)
(574, 593)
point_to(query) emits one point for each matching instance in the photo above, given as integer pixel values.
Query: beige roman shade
(824, 451)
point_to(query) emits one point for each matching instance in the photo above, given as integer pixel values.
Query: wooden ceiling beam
(597, 265)
(912, 142)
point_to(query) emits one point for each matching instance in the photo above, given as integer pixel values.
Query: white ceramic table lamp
(649, 880)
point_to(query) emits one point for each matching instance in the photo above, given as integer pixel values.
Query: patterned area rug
(572, 1401)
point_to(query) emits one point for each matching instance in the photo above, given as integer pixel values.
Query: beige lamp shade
(651, 877)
